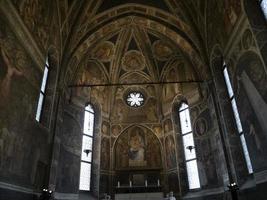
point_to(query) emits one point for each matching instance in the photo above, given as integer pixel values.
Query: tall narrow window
(42, 92)
(87, 147)
(263, 4)
(237, 118)
(189, 147)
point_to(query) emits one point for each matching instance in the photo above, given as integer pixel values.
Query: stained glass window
(87, 148)
(189, 147)
(237, 118)
(42, 92)
(135, 99)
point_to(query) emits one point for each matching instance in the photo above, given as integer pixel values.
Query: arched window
(189, 147)
(237, 118)
(87, 148)
(42, 91)
(263, 4)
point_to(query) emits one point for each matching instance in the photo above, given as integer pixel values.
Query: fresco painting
(123, 113)
(202, 124)
(206, 164)
(162, 50)
(167, 125)
(153, 151)
(105, 128)
(116, 129)
(91, 73)
(251, 81)
(19, 156)
(6, 82)
(137, 147)
(170, 152)
(133, 61)
(105, 154)
(104, 52)
(231, 13)
(171, 90)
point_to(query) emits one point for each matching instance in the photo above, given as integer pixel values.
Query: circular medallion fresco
(200, 127)
(161, 50)
(133, 61)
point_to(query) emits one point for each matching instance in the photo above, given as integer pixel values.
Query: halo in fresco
(104, 52)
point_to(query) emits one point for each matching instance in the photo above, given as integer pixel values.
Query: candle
(119, 184)
(146, 183)
(130, 183)
(158, 183)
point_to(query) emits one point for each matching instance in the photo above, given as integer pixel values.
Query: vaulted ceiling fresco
(102, 51)
(133, 41)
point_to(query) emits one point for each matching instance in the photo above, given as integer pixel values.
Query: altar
(138, 192)
(139, 196)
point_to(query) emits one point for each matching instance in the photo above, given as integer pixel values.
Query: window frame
(92, 146)
(189, 160)
(42, 91)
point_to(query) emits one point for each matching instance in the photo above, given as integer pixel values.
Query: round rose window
(135, 99)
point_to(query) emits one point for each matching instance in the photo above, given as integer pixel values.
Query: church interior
(133, 99)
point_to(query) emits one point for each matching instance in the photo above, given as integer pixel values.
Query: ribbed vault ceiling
(129, 40)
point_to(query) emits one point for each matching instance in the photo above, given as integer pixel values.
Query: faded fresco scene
(19, 155)
(251, 80)
(137, 147)
(170, 152)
